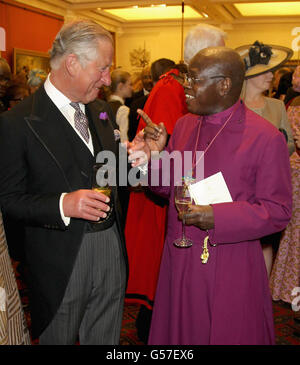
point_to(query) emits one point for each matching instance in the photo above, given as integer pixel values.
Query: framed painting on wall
(26, 60)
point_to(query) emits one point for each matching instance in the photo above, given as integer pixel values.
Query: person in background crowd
(16, 93)
(285, 276)
(158, 68)
(36, 78)
(10, 94)
(21, 76)
(261, 60)
(216, 292)
(294, 87)
(166, 102)
(74, 241)
(137, 87)
(120, 88)
(5, 77)
(285, 84)
(147, 84)
(138, 101)
(200, 37)
(273, 91)
(137, 84)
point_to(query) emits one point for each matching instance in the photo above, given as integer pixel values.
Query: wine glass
(100, 184)
(182, 200)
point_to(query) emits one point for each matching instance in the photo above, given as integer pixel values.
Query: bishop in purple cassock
(227, 300)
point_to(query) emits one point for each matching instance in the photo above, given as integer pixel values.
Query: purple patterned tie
(81, 122)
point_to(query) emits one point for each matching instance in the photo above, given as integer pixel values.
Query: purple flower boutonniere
(103, 116)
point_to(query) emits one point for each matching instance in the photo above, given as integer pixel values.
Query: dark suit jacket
(138, 103)
(41, 156)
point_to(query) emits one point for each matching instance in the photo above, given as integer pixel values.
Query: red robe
(146, 220)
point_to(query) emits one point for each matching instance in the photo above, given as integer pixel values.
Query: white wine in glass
(182, 205)
(106, 190)
(182, 200)
(100, 184)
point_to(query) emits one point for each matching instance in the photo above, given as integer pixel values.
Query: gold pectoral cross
(205, 253)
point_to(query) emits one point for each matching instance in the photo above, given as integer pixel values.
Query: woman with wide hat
(260, 61)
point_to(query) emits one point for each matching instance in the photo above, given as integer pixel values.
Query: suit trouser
(92, 306)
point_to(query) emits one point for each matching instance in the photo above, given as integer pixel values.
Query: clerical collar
(221, 117)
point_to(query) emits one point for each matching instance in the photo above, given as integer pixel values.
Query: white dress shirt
(63, 104)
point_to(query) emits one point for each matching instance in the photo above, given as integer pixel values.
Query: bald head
(215, 79)
(223, 61)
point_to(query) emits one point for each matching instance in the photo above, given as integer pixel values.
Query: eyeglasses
(193, 80)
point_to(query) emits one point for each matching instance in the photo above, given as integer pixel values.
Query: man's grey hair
(200, 37)
(81, 38)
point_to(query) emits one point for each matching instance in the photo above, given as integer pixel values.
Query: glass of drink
(100, 184)
(182, 200)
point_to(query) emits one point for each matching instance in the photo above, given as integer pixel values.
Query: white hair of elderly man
(202, 36)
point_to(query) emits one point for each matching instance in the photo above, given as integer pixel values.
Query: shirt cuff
(65, 219)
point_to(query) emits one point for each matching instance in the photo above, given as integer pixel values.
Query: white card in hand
(211, 190)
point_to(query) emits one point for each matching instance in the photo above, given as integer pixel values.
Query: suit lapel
(103, 128)
(61, 141)
(53, 131)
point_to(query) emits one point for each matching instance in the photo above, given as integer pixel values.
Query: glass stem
(183, 229)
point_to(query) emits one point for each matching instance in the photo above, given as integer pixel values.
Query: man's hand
(138, 150)
(201, 216)
(85, 204)
(151, 139)
(155, 135)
